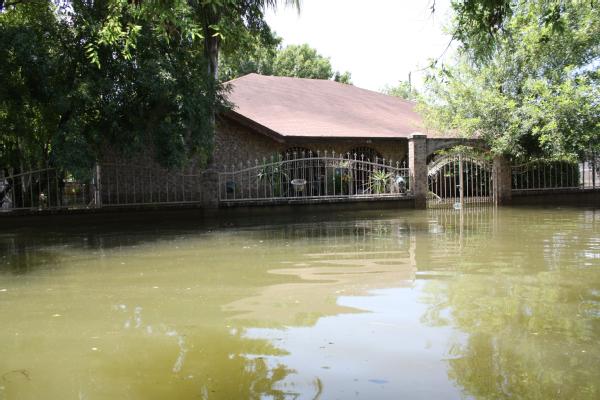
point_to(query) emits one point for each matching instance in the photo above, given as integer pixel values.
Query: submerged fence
(134, 185)
(43, 189)
(314, 175)
(303, 176)
(552, 175)
(456, 180)
(108, 185)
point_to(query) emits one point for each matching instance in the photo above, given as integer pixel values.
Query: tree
(265, 56)
(302, 62)
(536, 93)
(80, 78)
(33, 82)
(402, 90)
(345, 77)
(254, 55)
(59, 109)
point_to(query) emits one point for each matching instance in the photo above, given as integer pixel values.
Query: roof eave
(255, 126)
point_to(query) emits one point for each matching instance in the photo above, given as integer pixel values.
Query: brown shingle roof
(320, 108)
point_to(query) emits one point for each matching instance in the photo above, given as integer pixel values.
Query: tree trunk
(211, 47)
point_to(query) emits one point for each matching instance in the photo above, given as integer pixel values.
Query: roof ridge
(330, 81)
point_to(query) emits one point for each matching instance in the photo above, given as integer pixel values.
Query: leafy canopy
(403, 89)
(80, 79)
(264, 55)
(536, 93)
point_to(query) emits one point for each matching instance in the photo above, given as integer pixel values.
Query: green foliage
(264, 55)
(93, 78)
(254, 54)
(402, 90)
(33, 81)
(273, 172)
(538, 94)
(477, 23)
(379, 181)
(303, 62)
(80, 79)
(345, 77)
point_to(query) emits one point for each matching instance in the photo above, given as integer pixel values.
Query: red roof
(319, 108)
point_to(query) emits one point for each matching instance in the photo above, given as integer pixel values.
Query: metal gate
(458, 180)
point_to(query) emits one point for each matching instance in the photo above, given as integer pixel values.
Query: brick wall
(235, 143)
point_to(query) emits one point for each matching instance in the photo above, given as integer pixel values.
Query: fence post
(417, 164)
(210, 188)
(502, 180)
(98, 188)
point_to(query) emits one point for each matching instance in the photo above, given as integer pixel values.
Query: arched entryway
(459, 178)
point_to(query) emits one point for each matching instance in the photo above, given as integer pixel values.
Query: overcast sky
(378, 41)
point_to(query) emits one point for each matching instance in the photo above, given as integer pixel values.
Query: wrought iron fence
(314, 175)
(455, 180)
(109, 185)
(561, 174)
(122, 185)
(44, 189)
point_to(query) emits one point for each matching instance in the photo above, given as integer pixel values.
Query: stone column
(210, 188)
(417, 163)
(502, 181)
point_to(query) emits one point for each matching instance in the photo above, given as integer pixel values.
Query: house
(286, 139)
(274, 115)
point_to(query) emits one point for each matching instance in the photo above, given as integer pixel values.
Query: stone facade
(235, 144)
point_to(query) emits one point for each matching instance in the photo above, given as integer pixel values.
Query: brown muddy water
(375, 305)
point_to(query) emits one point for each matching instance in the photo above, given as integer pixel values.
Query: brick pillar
(417, 163)
(210, 188)
(502, 181)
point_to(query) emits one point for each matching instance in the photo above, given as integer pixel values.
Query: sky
(378, 41)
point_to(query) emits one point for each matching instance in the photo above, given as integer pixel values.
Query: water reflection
(532, 322)
(441, 304)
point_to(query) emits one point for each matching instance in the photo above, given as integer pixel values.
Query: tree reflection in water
(532, 315)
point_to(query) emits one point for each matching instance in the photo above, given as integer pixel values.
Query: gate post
(502, 177)
(417, 164)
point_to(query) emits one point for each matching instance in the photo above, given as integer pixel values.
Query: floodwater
(375, 305)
